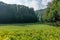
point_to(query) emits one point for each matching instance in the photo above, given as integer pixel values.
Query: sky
(36, 4)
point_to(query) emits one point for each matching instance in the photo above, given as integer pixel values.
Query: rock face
(16, 13)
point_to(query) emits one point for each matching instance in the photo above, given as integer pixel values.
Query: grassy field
(29, 32)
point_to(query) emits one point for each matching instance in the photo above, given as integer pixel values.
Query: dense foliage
(16, 13)
(52, 13)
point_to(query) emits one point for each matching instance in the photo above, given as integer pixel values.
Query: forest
(13, 13)
(52, 13)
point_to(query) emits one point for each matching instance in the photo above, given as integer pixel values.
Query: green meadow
(29, 32)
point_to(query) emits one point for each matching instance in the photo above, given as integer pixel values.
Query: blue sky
(36, 4)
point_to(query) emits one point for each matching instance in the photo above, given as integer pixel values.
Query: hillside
(40, 13)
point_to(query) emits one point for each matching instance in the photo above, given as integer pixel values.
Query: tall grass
(29, 32)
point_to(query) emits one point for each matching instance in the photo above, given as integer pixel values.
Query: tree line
(52, 13)
(12, 13)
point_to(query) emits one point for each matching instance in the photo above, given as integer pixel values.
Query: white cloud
(36, 4)
(33, 4)
(45, 3)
